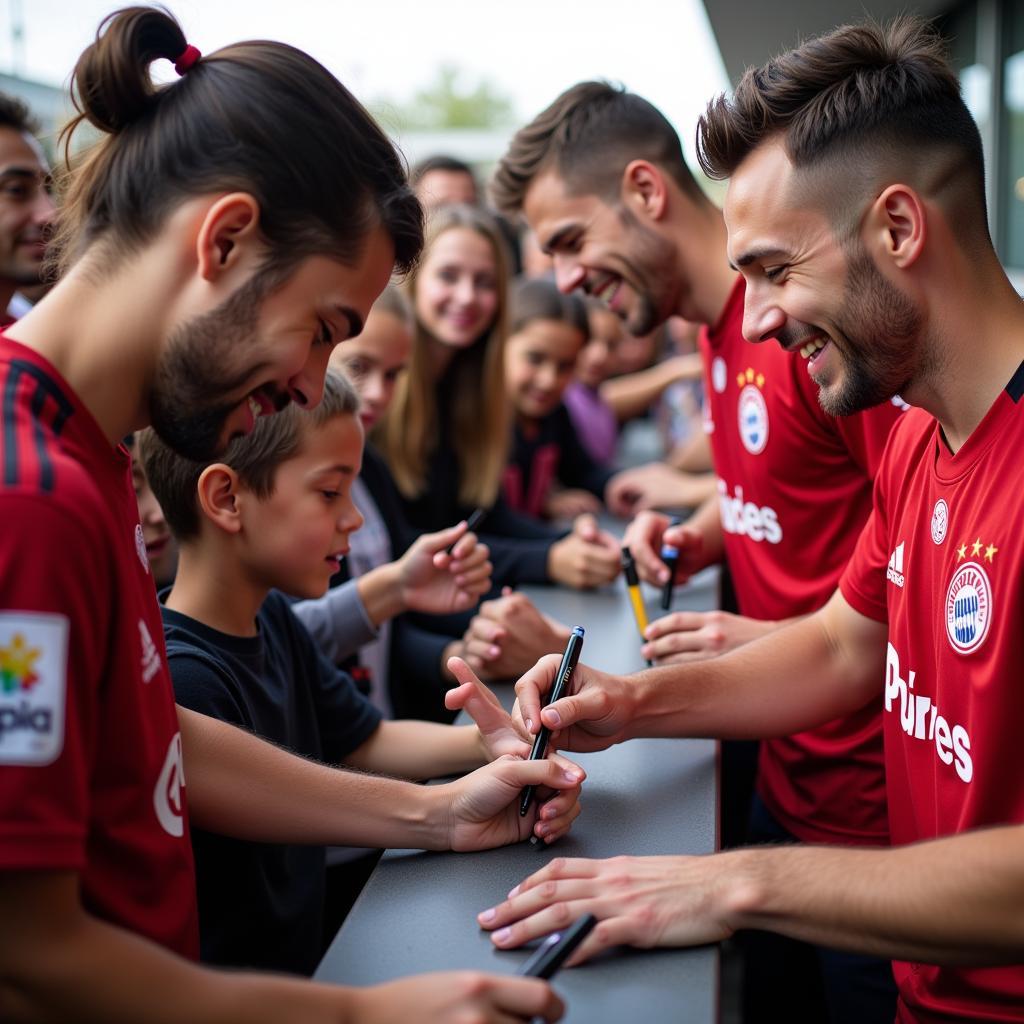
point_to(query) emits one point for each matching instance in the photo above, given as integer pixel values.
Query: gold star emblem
(961, 552)
(990, 552)
(976, 547)
(741, 379)
(760, 380)
(750, 375)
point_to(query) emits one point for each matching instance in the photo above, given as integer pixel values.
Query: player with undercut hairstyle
(856, 215)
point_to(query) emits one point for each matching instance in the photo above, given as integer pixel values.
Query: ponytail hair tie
(189, 56)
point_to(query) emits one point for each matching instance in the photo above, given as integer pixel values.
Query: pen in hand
(475, 519)
(635, 597)
(558, 690)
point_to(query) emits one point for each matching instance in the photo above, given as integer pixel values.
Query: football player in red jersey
(228, 230)
(856, 214)
(601, 177)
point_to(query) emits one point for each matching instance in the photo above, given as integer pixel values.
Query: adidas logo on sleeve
(894, 574)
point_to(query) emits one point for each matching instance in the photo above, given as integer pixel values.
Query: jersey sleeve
(55, 600)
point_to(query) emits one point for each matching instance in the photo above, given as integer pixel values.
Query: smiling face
(296, 537)
(26, 209)
(254, 353)
(605, 251)
(457, 286)
(861, 335)
(374, 361)
(539, 363)
(161, 550)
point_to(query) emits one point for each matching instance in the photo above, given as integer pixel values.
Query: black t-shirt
(261, 904)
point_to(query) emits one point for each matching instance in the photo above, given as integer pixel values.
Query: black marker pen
(557, 948)
(472, 523)
(558, 690)
(670, 556)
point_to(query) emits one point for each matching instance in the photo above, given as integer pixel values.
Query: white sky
(531, 49)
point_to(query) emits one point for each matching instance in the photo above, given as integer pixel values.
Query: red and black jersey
(91, 778)
(794, 491)
(940, 562)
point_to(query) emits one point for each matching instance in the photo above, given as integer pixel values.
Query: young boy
(277, 512)
(161, 549)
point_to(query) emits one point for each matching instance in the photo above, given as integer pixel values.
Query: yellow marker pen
(633, 585)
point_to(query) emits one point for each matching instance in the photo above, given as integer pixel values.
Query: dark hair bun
(111, 81)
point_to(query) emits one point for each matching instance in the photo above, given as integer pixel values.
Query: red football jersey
(939, 561)
(795, 491)
(90, 755)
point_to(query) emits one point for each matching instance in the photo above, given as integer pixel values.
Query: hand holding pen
(563, 677)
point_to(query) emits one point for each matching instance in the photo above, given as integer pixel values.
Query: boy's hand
(644, 537)
(456, 996)
(587, 557)
(483, 807)
(499, 733)
(509, 634)
(436, 582)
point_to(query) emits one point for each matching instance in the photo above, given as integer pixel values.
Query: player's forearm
(953, 901)
(420, 750)
(708, 521)
(241, 786)
(380, 590)
(795, 678)
(77, 968)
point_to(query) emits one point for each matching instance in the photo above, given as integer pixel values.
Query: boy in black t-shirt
(277, 513)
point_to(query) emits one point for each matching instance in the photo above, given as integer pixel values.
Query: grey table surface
(417, 912)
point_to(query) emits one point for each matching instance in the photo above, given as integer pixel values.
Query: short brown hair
(538, 298)
(257, 117)
(588, 135)
(858, 102)
(14, 113)
(255, 458)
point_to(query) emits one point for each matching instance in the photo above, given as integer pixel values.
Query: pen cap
(578, 631)
(629, 568)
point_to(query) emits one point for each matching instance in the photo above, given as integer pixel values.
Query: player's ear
(218, 497)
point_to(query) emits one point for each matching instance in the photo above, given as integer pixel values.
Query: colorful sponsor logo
(33, 676)
(17, 665)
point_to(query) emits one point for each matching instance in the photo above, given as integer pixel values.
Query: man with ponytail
(224, 234)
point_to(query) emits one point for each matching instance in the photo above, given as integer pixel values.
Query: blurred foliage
(450, 101)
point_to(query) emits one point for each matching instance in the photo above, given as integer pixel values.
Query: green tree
(451, 102)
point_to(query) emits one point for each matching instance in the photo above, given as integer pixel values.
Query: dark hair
(861, 102)
(14, 113)
(589, 135)
(440, 162)
(255, 458)
(256, 117)
(539, 299)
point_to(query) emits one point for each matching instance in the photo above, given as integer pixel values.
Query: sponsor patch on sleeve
(33, 687)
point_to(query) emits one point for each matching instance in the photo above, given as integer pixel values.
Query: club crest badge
(940, 521)
(753, 419)
(968, 608)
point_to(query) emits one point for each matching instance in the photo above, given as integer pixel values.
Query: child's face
(296, 537)
(597, 357)
(539, 362)
(457, 288)
(373, 361)
(161, 550)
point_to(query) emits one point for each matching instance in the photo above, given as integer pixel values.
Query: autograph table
(418, 910)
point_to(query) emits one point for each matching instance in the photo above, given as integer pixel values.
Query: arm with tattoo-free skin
(958, 900)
